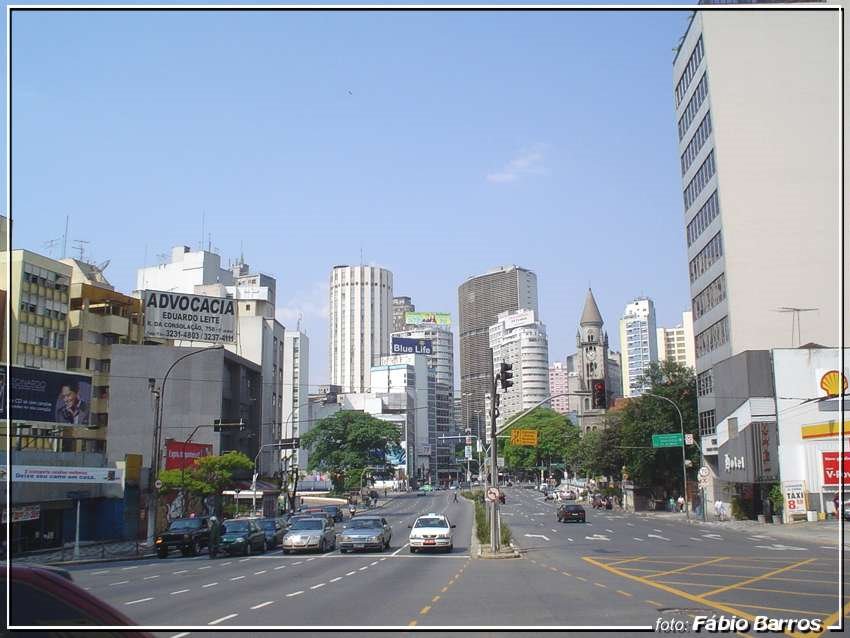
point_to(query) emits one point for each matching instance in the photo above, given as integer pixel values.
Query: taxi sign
(524, 437)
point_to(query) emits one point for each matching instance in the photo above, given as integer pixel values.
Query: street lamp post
(256, 474)
(684, 464)
(156, 457)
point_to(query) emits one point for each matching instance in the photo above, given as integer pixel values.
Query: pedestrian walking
(718, 509)
(681, 503)
(835, 502)
(215, 536)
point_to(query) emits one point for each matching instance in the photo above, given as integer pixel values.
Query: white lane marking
(149, 577)
(179, 591)
(210, 585)
(309, 559)
(610, 531)
(265, 604)
(295, 593)
(181, 571)
(207, 567)
(333, 580)
(126, 568)
(374, 562)
(598, 537)
(714, 537)
(227, 563)
(663, 538)
(181, 634)
(657, 530)
(102, 571)
(242, 560)
(694, 539)
(638, 539)
(351, 573)
(298, 563)
(780, 548)
(317, 586)
(757, 537)
(261, 572)
(120, 582)
(141, 600)
(630, 524)
(399, 549)
(569, 539)
(546, 538)
(281, 567)
(362, 568)
(554, 530)
(222, 619)
(237, 578)
(384, 558)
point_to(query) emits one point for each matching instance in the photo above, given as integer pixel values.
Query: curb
(85, 561)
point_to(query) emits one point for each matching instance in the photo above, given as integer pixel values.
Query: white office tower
(361, 309)
(296, 372)
(677, 344)
(441, 363)
(638, 342)
(519, 339)
(758, 116)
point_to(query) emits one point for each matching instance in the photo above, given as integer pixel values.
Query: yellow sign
(524, 437)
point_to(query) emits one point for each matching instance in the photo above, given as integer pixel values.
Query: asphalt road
(618, 569)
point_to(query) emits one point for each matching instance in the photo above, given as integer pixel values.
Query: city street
(617, 569)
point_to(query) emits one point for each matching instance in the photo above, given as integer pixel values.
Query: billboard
(178, 457)
(401, 345)
(49, 396)
(830, 467)
(416, 318)
(177, 315)
(519, 318)
(61, 474)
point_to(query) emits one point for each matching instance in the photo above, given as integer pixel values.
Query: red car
(47, 597)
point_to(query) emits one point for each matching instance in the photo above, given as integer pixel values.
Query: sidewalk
(89, 552)
(820, 532)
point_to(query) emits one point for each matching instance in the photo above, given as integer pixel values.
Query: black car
(335, 511)
(242, 536)
(189, 535)
(571, 512)
(274, 529)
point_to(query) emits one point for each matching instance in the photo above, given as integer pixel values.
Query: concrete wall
(748, 374)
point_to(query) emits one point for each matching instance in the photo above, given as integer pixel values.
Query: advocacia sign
(176, 315)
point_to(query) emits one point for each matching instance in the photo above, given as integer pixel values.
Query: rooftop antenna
(80, 244)
(50, 245)
(65, 237)
(795, 319)
(163, 257)
(209, 242)
(298, 328)
(203, 224)
(361, 255)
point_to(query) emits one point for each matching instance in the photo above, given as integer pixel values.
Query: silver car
(310, 533)
(365, 532)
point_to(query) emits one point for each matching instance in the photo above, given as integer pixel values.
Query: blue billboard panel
(401, 345)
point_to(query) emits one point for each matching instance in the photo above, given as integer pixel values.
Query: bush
(482, 522)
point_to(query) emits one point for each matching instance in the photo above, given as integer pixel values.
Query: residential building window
(703, 218)
(710, 296)
(693, 106)
(704, 259)
(705, 383)
(716, 335)
(695, 145)
(689, 72)
(699, 181)
(706, 423)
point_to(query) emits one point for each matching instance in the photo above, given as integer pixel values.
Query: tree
(556, 435)
(207, 476)
(347, 443)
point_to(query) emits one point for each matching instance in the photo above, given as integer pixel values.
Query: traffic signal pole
(494, 470)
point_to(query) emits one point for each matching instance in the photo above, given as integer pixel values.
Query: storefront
(812, 425)
(748, 466)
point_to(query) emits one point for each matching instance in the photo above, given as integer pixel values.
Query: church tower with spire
(591, 365)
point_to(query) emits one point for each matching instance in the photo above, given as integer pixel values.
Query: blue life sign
(411, 346)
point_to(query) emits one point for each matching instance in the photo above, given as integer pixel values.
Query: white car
(430, 532)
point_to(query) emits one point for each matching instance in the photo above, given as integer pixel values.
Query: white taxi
(430, 532)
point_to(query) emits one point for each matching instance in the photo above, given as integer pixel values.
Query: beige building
(677, 343)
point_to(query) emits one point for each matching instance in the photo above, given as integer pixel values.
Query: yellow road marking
(624, 593)
(412, 623)
(682, 569)
(425, 609)
(444, 589)
(757, 578)
(629, 560)
(600, 585)
(794, 593)
(435, 599)
(790, 611)
(829, 620)
(677, 582)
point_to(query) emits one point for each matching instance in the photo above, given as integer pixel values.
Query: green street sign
(666, 440)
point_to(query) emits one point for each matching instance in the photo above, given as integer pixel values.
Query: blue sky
(442, 144)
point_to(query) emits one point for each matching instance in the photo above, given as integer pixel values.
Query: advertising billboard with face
(49, 396)
(439, 318)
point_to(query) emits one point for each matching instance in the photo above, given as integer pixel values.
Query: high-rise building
(441, 361)
(296, 372)
(757, 108)
(480, 300)
(360, 322)
(188, 268)
(519, 339)
(558, 384)
(401, 305)
(677, 344)
(638, 342)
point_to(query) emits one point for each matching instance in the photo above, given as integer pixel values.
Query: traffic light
(599, 400)
(506, 374)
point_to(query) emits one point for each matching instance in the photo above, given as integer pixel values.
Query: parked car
(242, 536)
(365, 532)
(274, 529)
(189, 535)
(335, 511)
(571, 512)
(846, 510)
(50, 597)
(310, 533)
(430, 532)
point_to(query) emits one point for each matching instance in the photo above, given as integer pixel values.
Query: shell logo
(833, 383)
